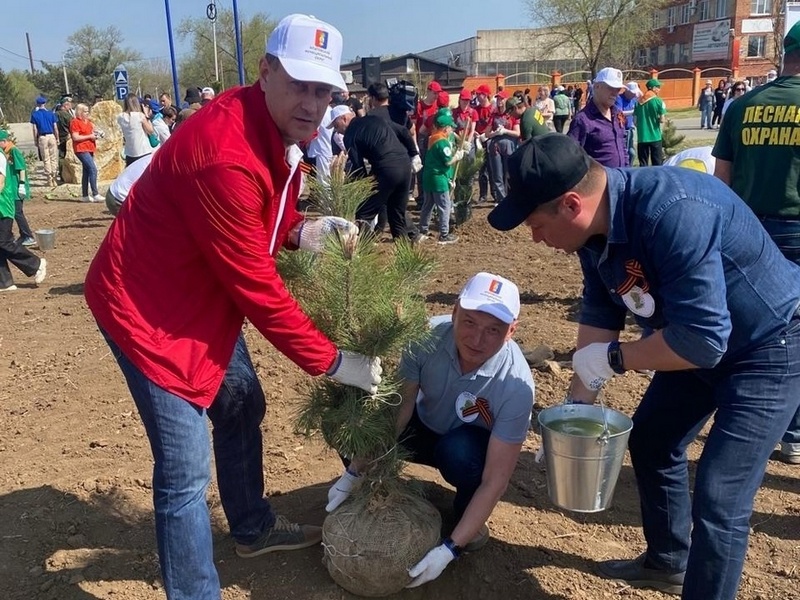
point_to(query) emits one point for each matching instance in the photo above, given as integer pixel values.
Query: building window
(704, 10)
(685, 52)
(756, 46)
(669, 59)
(721, 9)
(686, 13)
(659, 18)
(671, 16)
(641, 57)
(654, 55)
(760, 7)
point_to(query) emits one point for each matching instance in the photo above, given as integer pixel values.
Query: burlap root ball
(370, 542)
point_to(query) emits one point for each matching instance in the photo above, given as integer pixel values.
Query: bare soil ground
(75, 466)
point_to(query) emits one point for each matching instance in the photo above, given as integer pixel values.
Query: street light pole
(172, 55)
(237, 29)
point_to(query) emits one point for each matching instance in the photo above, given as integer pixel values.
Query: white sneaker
(87, 199)
(41, 273)
(10, 288)
(99, 198)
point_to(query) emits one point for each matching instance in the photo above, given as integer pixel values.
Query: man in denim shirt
(683, 253)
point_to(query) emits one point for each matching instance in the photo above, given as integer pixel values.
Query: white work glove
(431, 566)
(466, 147)
(340, 491)
(590, 364)
(310, 234)
(351, 368)
(458, 155)
(482, 138)
(452, 185)
(416, 163)
(21, 190)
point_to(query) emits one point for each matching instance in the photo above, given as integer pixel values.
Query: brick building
(742, 37)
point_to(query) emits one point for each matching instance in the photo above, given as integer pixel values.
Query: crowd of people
(714, 285)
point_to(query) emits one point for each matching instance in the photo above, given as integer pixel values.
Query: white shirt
(699, 159)
(122, 185)
(136, 142)
(3, 163)
(321, 145)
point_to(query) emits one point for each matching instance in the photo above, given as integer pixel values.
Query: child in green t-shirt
(437, 176)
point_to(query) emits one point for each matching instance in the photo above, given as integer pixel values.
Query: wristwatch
(451, 545)
(615, 358)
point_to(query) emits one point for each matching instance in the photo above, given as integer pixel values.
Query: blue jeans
(441, 200)
(706, 533)
(705, 115)
(497, 152)
(459, 455)
(179, 441)
(89, 175)
(786, 235)
(630, 144)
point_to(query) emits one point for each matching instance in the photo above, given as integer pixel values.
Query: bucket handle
(603, 439)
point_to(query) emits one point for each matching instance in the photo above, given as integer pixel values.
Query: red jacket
(191, 253)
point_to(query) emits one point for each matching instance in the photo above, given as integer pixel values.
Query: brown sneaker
(283, 535)
(479, 541)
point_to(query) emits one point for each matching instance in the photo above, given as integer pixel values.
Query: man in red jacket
(189, 257)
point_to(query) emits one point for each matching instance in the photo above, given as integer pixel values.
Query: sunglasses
(738, 89)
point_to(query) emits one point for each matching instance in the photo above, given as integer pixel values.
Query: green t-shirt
(562, 103)
(437, 173)
(8, 196)
(760, 136)
(648, 119)
(532, 124)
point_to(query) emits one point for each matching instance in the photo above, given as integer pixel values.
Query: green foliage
(671, 139)
(17, 94)
(198, 66)
(367, 300)
(463, 194)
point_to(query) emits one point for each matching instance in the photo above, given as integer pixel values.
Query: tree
(89, 63)
(16, 96)
(197, 69)
(601, 31)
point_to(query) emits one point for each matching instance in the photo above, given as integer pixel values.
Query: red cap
(434, 86)
(502, 94)
(465, 95)
(443, 99)
(483, 89)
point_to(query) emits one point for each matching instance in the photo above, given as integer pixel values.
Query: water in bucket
(583, 459)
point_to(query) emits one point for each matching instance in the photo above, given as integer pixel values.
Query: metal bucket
(45, 238)
(582, 470)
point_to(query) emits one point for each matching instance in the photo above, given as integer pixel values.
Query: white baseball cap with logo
(493, 295)
(309, 49)
(611, 77)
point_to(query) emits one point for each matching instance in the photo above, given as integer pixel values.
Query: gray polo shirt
(498, 396)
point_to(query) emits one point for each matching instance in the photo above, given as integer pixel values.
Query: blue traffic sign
(122, 92)
(120, 75)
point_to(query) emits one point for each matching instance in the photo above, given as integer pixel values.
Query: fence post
(555, 79)
(695, 85)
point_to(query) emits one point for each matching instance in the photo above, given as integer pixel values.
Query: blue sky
(369, 27)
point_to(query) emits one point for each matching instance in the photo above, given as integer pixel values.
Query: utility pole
(30, 52)
(237, 29)
(64, 69)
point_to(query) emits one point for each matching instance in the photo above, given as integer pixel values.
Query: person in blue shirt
(45, 136)
(626, 102)
(682, 253)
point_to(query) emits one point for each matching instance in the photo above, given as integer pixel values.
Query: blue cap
(154, 105)
(41, 100)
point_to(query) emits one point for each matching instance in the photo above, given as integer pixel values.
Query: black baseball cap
(540, 170)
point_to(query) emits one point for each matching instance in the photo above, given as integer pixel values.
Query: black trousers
(559, 121)
(392, 193)
(650, 153)
(22, 221)
(12, 251)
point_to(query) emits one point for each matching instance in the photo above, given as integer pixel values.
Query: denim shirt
(719, 284)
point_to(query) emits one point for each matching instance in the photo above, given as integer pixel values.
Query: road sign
(120, 75)
(122, 92)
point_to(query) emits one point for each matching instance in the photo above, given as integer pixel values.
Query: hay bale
(370, 542)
